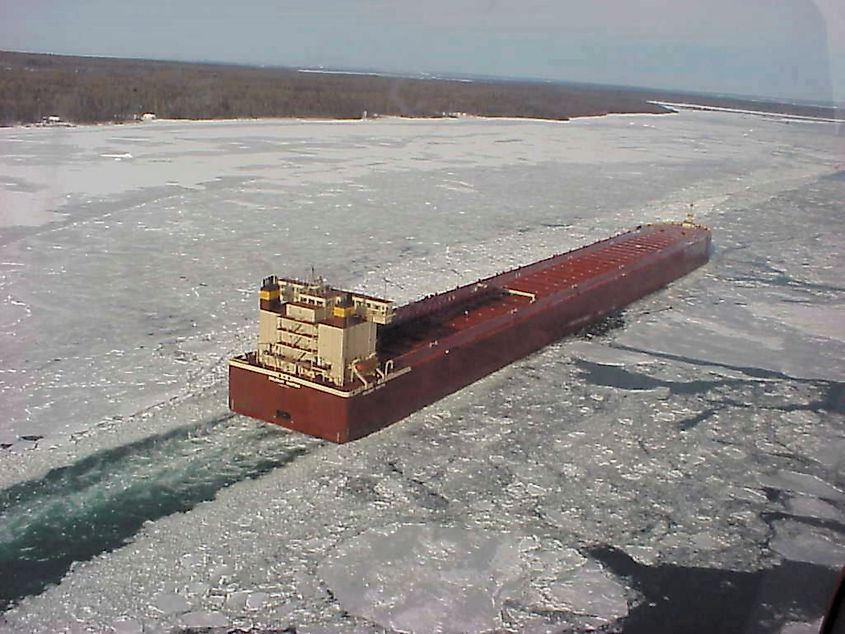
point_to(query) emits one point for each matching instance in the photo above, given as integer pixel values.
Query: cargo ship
(340, 365)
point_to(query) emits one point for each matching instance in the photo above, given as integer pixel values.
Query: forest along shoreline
(45, 89)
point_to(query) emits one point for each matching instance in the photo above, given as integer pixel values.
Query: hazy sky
(780, 48)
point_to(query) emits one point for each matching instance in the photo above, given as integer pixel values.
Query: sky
(791, 49)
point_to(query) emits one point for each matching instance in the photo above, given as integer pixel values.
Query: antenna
(689, 219)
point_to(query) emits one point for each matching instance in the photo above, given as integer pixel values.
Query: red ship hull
(442, 348)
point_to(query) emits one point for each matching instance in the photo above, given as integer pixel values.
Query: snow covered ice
(695, 443)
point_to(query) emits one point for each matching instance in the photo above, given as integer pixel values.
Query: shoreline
(759, 113)
(55, 91)
(387, 117)
(675, 109)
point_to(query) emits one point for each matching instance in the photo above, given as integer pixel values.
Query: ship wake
(98, 503)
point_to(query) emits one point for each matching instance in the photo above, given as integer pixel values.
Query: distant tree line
(91, 90)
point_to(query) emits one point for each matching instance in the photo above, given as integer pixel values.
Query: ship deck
(424, 323)
(426, 331)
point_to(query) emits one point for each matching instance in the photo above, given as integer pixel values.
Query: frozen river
(680, 470)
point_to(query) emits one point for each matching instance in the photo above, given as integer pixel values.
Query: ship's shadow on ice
(97, 504)
(623, 379)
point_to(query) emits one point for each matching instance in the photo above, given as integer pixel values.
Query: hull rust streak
(340, 366)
